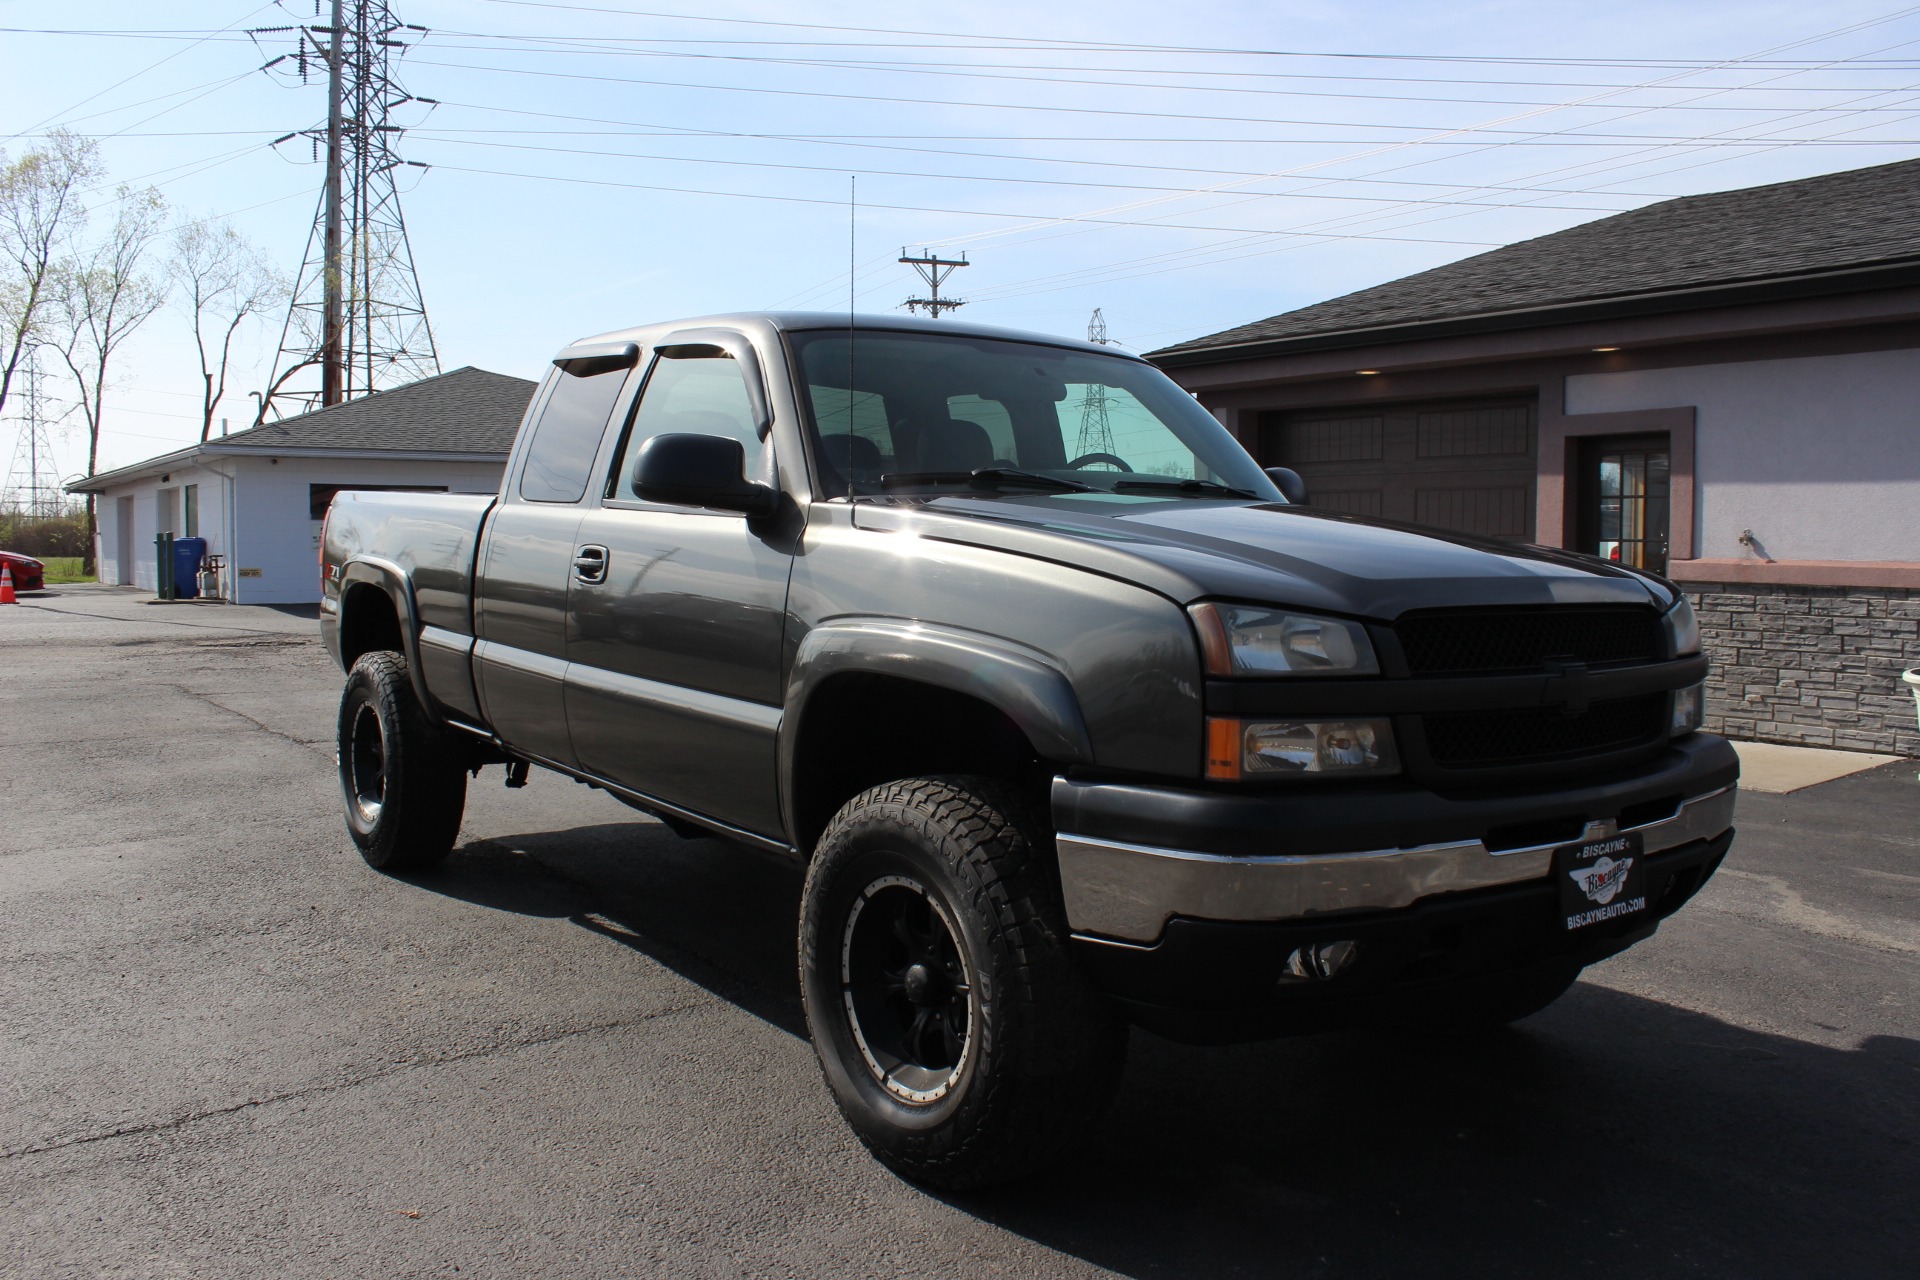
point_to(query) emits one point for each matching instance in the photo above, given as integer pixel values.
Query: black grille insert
(1485, 641)
(1536, 735)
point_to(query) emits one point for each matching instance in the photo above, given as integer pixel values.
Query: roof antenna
(853, 188)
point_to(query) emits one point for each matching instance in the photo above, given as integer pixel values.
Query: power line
(128, 79)
(1051, 42)
(900, 208)
(1615, 139)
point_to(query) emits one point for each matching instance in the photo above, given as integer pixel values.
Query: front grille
(1537, 735)
(1486, 641)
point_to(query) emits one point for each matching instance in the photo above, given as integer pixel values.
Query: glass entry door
(1626, 498)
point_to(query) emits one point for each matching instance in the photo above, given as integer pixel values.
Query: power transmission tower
(934, 269)
(357, 322)
(1096, 433)
(33, 482)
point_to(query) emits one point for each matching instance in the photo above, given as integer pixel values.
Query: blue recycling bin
(187, 555)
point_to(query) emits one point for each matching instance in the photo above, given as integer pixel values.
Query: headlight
(1246, 640)
(1687, 707)
(1284, 748)
(1683, 628)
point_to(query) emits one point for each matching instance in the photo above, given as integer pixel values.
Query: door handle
(590, 563)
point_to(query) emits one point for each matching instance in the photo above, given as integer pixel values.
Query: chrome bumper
(1128, 891)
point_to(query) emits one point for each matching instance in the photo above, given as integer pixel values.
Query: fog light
(1320, 961)
(1687, 705)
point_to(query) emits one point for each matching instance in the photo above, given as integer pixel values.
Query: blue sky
(1186, 168)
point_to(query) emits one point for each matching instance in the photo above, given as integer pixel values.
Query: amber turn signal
(1223, 750)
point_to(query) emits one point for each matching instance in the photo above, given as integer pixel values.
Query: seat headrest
(954, 444)
(844, 452)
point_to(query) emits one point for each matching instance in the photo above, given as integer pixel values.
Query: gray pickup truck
(1074, 719)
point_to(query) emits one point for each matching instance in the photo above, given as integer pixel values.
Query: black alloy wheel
(403, 778)
(952, 1022)
(365, 763)
(908, 995)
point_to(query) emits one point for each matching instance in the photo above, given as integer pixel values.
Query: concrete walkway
(1769, 766)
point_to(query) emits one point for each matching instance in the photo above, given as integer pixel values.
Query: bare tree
(220, 280)
(104, 296)
(40, 211)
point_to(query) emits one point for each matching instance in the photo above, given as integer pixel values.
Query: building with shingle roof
(1723, 388)
(258, 496)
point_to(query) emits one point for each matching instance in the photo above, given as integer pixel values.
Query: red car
(28, 574)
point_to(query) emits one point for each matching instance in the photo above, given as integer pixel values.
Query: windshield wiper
(985, 478)
(1187, 486)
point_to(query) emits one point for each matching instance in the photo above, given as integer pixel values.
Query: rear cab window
(567, 436)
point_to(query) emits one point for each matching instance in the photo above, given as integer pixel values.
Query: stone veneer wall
(1811, 666)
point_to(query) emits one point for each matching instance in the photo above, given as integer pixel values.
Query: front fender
(1023, 683)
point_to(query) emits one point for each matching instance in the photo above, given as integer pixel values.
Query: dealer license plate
(1601, 880)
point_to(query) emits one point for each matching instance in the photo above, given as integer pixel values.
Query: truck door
(520, 596)
(674, 681)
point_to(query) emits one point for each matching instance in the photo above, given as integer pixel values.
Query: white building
(258, 496)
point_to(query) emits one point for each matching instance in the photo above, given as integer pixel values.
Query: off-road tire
(1043, 1052)
(403, 808)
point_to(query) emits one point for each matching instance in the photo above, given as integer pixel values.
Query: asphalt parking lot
(231, 1049)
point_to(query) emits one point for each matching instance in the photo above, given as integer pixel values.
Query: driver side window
(704, 396)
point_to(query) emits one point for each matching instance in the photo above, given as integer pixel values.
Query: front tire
(952, 1024)
(401, 777)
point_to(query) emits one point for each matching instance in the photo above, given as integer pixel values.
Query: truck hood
(1190, 549)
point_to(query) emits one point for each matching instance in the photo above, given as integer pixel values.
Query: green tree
(104, 295)
(41, 213)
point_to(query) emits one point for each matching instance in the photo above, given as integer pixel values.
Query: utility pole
(32, 485)
(357, 322)
(934, 270)
(333, 373)
(1096, 433)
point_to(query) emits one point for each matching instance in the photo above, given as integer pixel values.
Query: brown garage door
(1467, 466)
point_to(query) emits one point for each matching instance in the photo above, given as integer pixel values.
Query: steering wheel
(1085, 458)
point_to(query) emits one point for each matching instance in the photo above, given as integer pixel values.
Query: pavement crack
(338, 1086)
(261, 725)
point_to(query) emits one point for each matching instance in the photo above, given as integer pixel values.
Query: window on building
(190, 508)
(568, 434)
(1626, 494)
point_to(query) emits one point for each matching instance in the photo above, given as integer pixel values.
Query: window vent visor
(590, 358)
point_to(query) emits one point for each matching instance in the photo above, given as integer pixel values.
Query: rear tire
(952, 1024)
(402, 778)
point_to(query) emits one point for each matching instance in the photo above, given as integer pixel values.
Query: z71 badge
(1600, 880)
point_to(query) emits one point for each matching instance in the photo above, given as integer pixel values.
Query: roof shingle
(1839, 220)
(467, 410)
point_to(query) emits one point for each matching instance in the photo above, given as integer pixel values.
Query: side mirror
(1288, 481)
(700, 471)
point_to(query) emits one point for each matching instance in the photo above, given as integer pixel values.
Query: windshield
(905, 411)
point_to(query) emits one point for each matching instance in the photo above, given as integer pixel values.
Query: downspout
(232, 538)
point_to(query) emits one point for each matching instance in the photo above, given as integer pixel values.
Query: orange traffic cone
(6, 584)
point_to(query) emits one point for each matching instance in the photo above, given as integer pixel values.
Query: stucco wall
(1819, 456)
